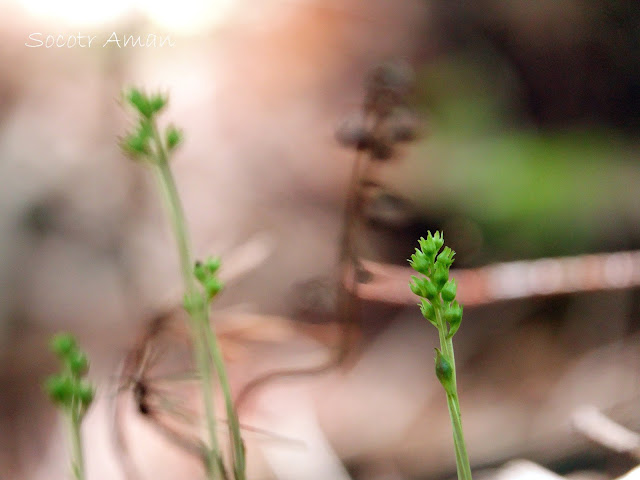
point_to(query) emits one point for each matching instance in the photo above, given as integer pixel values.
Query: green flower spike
(439, 306)
(71, 392)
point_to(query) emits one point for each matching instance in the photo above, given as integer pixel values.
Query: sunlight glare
(185, 16)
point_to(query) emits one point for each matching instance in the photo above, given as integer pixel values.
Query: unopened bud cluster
(139, 143)
(385, 119)
(438, 291)
(206, 273)
(438, 304)
(69, 389)
(438, 301)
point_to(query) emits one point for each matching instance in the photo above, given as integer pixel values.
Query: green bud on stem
(428, 311)
(78, 363)
(174, 138)
(420, 263)
(62, 344)
(453, 316)
(139, 101)
(213, 286)
(449, 291)
(444, 372)
(440, 275)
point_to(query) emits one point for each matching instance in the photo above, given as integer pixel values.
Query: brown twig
(382, 125)
(513, 280)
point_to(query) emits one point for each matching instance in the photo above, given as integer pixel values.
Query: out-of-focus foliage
(532, 193)
(532, 190)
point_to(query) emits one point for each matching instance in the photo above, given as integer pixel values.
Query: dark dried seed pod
(381, 150)
(387, 86)
(381, 102)
(388, 209)
(403, 125)
(353, 134)
(395, 76)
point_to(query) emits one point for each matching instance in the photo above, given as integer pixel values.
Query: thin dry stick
(513, 280)
(386, 89)
(599, 428)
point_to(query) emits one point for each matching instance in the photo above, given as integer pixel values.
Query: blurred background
(529, 119)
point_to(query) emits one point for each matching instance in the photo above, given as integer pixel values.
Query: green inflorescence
(439, 306)
(71, 392)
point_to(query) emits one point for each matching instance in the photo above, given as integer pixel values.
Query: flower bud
(444, 372)
(212, 265)
(157, 102)
(140, 101)
(428, 311)
(440, 276)
(428, 247)
(449, 291)
(85, 393)
(453, 316)
(430, 290)
(420, 263)
(446, 257)
(63, 344)
(212, 286)
(135, 145)
(417, 286)
(438, 240)
(60, 389)
(174, 137)
(78, 363)
(199, 271)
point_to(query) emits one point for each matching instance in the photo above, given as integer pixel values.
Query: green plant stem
(462, 458)
(239, 465)
(446, 346)
(199, 316)
(77, 458)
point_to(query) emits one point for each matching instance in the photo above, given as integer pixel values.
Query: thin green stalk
(176, 215)
(200, 283)
(77, 457)
(237, 445)
(199, 315)
(462, 458)
(453, 404)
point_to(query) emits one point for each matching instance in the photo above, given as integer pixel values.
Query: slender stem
(77, 458)
(214, 460)
(199, 316)
(176, 215)
(456, 444)
(232, 417)
(462, 458)
(453, 404)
